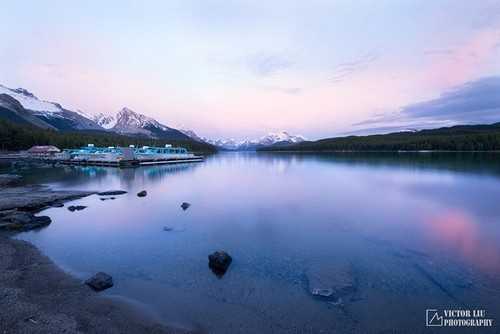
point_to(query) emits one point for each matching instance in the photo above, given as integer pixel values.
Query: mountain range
(21, 106)
(273, 138)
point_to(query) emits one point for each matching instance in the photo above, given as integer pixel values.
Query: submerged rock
(219, 262)
(331, 281)
(112, 193)
(142, 193)
(22, 221)
(8, 179)
(76, 207)
(106, 198)
(185, 206)
(100, 281)
(168, 228)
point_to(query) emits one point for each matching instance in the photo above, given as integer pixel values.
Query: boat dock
(128, 163)
(124, 156)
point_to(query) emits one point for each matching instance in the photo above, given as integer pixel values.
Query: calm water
(408, 231)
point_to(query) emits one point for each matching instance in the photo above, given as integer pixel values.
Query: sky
(240, 69)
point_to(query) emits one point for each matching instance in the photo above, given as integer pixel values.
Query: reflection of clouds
(460, 234)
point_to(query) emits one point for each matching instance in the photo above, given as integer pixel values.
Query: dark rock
(168, 228)
(35, 197)
(100, 281)
(185, 206)
(8, 179)
(219, 262)
(23, 221)
(57, 205)
(76, 207)
(112, 193)
(19, 217)
(331, 281)
(142, 193)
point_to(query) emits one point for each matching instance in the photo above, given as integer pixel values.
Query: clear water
(413, 231)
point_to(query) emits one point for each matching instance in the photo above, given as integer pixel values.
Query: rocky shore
(38, 297)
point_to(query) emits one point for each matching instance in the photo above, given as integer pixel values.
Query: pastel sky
(244, 68)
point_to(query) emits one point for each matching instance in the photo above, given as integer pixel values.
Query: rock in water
(168, 228)
(8, 179)
(100, 281)
(219, 262)
(76, 207)
(142, 193)
(23, 221)
(331, 281)
(112, 193)
(185, 206)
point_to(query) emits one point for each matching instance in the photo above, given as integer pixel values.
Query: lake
(392, 234)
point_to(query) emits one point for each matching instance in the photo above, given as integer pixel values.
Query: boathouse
(45, 151)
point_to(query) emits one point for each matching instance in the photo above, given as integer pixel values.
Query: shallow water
(408, 232)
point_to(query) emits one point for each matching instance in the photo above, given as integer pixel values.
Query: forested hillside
(15, 136)
(456, 138)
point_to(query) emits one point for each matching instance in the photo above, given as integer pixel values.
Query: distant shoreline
(345, 151)
(474, 138)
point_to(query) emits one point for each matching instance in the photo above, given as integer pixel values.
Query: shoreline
(37, 296)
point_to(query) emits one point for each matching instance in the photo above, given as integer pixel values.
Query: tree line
(457, 138)
(14, 136)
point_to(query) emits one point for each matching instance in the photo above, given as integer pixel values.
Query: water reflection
(414, 230)
(460, 235)
(467, 162)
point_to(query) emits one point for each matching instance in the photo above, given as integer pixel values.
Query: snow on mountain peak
(104, 120)
(128, 117)
(247, 144)
(128, 121)
(25, 92)
(282, 136)
(29, 101)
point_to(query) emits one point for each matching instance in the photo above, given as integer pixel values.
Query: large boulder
(112, 193)
(142, 193)
(331, 281)
(100, 281)
(185, 205)
(219, 262)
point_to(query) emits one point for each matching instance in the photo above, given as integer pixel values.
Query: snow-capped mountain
(127, 121)
(249, 145)
(23, 107)
(20, 105)
(280, 137)
(50, 113)
(105, 121)
(11, 109)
